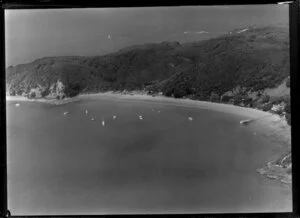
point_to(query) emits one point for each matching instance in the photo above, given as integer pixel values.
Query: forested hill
(248, 60)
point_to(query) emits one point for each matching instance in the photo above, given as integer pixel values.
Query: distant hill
(237, 67)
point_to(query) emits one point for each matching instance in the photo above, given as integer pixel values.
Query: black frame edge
(40, 4)
(294, 17)
(294, 12)
(3, 148)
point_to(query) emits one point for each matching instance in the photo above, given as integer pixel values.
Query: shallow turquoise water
(68, 164)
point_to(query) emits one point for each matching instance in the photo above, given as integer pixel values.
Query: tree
(249, 102)
(45, 92)
(267, 106)
(214, 97)
(168, 92)
(179, 93)
(259, 94)
(189, 91)
(265, 98)
(12, 92)
(19, 92)
(237, 99)
(32, 95)
(72, 90)
(226, 98)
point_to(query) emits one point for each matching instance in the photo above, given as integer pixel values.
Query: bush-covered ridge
(255, 59)
(236, 68)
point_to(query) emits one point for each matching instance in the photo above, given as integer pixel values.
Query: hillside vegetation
(242, 67)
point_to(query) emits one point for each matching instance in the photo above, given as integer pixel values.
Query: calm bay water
(165, 163)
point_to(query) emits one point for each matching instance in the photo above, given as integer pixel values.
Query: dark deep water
(162, 164)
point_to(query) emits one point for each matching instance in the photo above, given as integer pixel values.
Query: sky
(32, 34)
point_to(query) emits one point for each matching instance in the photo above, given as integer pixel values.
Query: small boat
(103, 123)
(17, 104)
(92, 119)
(114, 117)
(191, 118)
(86, 112)
(141, 117)
(245, 122)
(65, 113)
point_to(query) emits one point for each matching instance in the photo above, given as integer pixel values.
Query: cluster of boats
(115, 117)
(242, 122)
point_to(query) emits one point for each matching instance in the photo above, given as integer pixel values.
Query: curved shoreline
(246, 112)
(251, 113)
(275, 126)
(276, 123)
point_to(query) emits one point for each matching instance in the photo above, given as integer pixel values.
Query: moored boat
(245, 122)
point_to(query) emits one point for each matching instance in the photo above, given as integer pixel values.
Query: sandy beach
(53, 101)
